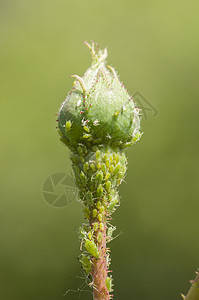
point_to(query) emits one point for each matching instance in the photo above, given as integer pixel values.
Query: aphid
(68, 126)
(95, 226)
(85, 167)
(99, 237)
(80, 150)
(103, 168)
(86, 128)
(110, 232)
(111, 168)
(94, 213)
(99, 177)
(98, 154)
(83, 177)
(108, 185)
(99, 191)
(86, 264)
(109, 283)
(112, 204)
(101, 226)
(91, 247)
(92, 166)
(117, 169)
(107, 175)
(98, 205)
(90, 235)
(107, 163)
(101, 209)
(136, 137)
(89, 197)
(105, 157)
(87, 136)
(98, 165)
(100, 217)
(86, 212)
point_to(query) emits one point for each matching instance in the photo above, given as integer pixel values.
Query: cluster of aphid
(98, 173)
(97, 121)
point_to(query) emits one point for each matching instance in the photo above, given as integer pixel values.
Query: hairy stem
(100, 271)
(98, 173)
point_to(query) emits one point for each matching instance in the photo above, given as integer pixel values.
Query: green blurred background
(154, 46)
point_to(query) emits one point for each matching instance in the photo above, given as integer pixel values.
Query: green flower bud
(99, 108)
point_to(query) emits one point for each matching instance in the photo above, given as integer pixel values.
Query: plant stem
(98, 173)
(100, 271)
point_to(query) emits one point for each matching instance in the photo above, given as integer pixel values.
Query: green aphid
(101, 209)
(82, 233)
(85, 149)
(110, 232)
(123, 160)
(98, 154)
(101, 226)
(94, 213)
(86, 128)
(86, 212)
(136, 137)
(112, 204)
(89, 198)
(103, 168)
(99, 177)
(92, 166)
(90, 235)
(105, 157)
(107, 175)
(111, 168)
(99, 237)
(117, 169)
(68, 126)
(108, 185)
(100, 217)
(95, 226)
(99, 191)
(109, 283)
(91, 247)
(107, 163)
(86, 167)
(98, 165)
(117, 158)
(80, 150)
(98, 205)
(87, 136)
(83, 177)
(86, 264)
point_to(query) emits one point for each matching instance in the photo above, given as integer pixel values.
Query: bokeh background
(154, 46)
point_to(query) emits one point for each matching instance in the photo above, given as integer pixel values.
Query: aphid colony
(98, 173)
